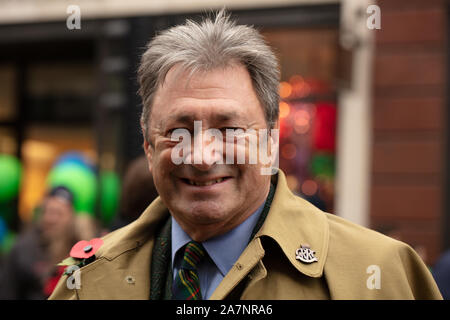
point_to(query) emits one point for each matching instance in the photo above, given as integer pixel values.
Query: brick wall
(409, 121)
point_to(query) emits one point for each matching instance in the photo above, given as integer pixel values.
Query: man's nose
(206, 151)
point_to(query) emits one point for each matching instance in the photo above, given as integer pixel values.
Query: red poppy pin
(85, 249)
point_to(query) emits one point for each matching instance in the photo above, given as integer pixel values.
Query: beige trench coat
(353, 262)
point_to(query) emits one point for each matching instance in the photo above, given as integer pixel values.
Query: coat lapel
(122, 269)
(293, 222)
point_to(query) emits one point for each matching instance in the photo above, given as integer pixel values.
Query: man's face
(206, 198)
(57, 219)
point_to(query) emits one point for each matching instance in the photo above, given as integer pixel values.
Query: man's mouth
(204, 183)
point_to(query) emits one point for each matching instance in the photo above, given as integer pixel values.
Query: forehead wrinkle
(225, 116)
(189, 79)
(185, 117)
(216, 117)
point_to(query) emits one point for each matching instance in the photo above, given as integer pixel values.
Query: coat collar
(292, 222)
(136, 233)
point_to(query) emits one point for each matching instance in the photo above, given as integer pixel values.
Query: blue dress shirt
(223, 251)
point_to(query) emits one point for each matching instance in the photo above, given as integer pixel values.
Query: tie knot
(193, 255)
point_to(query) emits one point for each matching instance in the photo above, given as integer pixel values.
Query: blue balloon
(74, 157)
(3, 229)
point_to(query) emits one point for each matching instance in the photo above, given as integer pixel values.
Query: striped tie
(187, 284)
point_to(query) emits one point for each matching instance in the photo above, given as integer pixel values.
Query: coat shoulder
(353, 234)
(367, 245)
(115, 239)
(355, 252)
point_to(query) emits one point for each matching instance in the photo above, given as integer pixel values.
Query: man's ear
(148, 149)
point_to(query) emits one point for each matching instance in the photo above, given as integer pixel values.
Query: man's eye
(180, 129)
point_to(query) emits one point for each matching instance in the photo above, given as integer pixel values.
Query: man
(223, 228)
(30, 268)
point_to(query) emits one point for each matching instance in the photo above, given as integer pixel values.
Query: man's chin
(204, 213)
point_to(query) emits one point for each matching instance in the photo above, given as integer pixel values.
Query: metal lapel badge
(305, 254)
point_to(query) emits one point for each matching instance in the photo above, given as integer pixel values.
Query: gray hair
(207, 45)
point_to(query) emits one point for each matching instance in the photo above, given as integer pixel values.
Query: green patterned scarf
(161, 266)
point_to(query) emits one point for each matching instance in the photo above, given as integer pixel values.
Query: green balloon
(109, 195)
(80, 181)
(323, 165)
(10, 174)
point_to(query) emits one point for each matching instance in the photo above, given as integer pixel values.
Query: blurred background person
(138, 191)
(441, 274)
(30, 270)
(77, 173)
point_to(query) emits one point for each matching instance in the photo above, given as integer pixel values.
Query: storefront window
(59, 112)
(308, 61)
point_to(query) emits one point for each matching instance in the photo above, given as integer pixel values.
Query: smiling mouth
(204, 183)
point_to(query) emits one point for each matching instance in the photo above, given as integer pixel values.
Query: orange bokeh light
(288, 151)
(284, 109)
(301, 122)
(302, 117)
(285, 89)
(302, 129)
(296, 79)
(299, 87)
(309, 187)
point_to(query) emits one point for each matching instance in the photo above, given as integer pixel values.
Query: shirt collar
(219, 249)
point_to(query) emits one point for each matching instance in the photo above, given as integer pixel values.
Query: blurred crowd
(70, 210)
